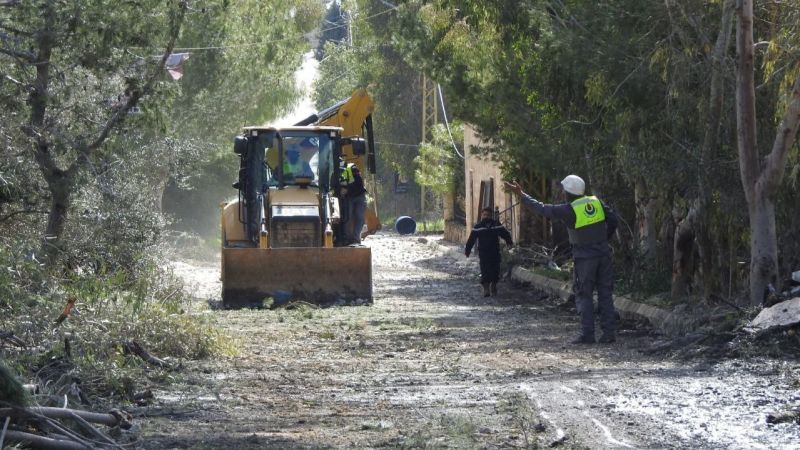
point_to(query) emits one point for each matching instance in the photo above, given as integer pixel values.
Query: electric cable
(447, 124)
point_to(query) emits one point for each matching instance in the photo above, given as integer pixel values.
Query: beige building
(483, 182)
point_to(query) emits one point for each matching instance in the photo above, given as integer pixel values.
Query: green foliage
(194, 193)
(374, 62)
(563, 275)
(242, 75)
(436, 226)
(437, 165)
(332, 29)
(150, 308)
(96, 59)
(338, 75)
(616, 91)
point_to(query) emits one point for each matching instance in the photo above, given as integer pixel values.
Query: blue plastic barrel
(405, 225)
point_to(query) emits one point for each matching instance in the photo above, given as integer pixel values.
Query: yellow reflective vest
(347, 176)
(292, 169)
(590, 221)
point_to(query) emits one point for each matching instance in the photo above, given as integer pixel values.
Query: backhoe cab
(281, 237)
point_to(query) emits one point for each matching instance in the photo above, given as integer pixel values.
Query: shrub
(150, 308)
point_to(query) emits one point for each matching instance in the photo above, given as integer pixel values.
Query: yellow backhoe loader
(283, 237)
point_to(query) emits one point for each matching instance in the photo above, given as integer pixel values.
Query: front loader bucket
(319, 275)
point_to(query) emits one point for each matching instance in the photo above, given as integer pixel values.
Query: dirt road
(434, 365)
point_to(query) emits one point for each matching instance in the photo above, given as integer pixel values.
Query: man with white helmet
(590, 224)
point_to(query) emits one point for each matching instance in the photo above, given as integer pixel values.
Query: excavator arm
(354, 115)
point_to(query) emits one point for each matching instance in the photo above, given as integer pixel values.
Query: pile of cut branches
(60, 428)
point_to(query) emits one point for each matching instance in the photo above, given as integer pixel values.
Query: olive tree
(83, 68)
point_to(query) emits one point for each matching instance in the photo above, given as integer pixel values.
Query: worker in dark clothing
(355, 194)
(488, 233)
(590, 224)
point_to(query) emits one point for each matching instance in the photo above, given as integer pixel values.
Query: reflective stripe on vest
(590, 221)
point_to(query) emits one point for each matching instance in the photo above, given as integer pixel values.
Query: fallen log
(42, 442)
(111, 419)
(59, 431)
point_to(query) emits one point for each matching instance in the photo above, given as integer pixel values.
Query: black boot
(486, 291)
(493, 287)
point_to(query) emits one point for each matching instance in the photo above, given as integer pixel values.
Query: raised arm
(563, 213)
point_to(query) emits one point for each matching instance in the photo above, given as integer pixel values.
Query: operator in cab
(294, 165)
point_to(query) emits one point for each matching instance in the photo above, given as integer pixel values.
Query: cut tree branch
(94, 431)
(110, 419)
(136, 349)
(43, 442)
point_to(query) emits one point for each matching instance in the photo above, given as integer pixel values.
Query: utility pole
(430, 117)
(349, 28)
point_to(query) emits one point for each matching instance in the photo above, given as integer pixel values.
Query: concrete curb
(447, 250)
(558, 288)
(661, 319)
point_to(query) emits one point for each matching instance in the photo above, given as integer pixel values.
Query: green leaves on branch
(437, 165)
(338, 74)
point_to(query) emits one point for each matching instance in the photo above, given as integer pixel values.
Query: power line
(397, 144)
(447, 124)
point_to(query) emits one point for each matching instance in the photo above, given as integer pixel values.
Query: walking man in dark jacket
(590, 224)
(488, 233)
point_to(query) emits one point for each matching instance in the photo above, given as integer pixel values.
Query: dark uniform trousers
(490, 268)
(590, 274)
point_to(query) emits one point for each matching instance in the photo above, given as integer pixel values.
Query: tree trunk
(646, 221)
(61, 182)
(763, 249)
(52, 174)
(760, 185)
(710, 142)
(692, 231)
(447, 209)
(683, 254)
(746, 130)
(61, 186)
(160, 181)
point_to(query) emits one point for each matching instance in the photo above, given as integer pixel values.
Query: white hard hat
(573, 184)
